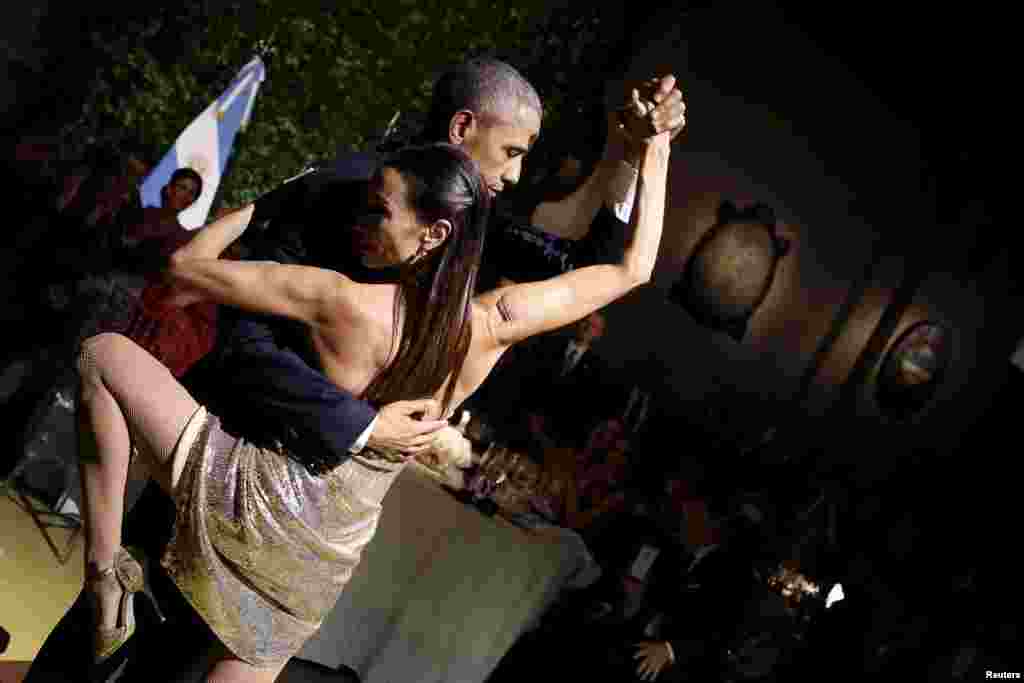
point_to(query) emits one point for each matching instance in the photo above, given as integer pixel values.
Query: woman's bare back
(358, 343)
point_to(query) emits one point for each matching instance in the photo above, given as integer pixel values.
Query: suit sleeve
(305, 219)
(523, 252)
(279, 220)
(603, 243)
(267, 391)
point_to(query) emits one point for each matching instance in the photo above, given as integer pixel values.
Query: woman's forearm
(649, 211)
(211, 241)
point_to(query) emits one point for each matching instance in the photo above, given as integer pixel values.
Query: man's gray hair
(482, 86)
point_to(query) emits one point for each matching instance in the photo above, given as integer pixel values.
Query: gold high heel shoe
(130, 577)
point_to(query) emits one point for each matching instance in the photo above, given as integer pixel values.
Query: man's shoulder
(318, 192)
(351, 170)
(352, 166)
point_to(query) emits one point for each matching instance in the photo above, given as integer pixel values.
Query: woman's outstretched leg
(125, 393)
(104, 447)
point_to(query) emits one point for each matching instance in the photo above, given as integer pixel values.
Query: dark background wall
(878, 139)
(868, 180)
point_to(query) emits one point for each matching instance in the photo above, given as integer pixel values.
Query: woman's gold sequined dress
(262, 548)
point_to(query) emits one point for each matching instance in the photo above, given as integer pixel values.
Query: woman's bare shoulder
(355, 341)
(345, 295)
(353, 310)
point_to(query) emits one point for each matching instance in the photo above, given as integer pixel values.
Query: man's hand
(399, 428)
(653, 656)
(655, 106)
(669, 114)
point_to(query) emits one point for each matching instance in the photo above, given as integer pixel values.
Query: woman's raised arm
(523, 310)
(297, 292)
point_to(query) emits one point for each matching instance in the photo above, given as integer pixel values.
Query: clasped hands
(656, 106)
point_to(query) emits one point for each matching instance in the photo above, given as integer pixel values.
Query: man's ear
(461, 125)
(437, 233)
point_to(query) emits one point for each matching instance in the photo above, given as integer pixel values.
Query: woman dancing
(262, 546)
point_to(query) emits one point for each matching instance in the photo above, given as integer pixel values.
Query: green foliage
(336, 72)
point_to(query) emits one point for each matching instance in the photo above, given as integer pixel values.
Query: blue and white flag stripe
(205, 144)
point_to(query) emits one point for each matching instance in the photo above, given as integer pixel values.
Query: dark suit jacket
(548, 357)
(261, 379)
(701, 609)
(693, 619)
(572, 401)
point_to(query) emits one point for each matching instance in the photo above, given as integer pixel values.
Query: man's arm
(613, 183)
(305, 207)
(283, 201)
(524, 310)
(584, 229)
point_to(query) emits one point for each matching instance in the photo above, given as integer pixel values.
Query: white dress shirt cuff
(623, 191)
(360, 443)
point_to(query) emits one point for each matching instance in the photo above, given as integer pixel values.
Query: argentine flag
(206, 144)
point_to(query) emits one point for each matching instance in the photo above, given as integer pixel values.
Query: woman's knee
(96, 352)
(97, 348)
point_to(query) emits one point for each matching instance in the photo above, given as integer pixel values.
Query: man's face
(498, 143)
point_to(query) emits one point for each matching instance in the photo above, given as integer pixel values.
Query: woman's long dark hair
(435, 293)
